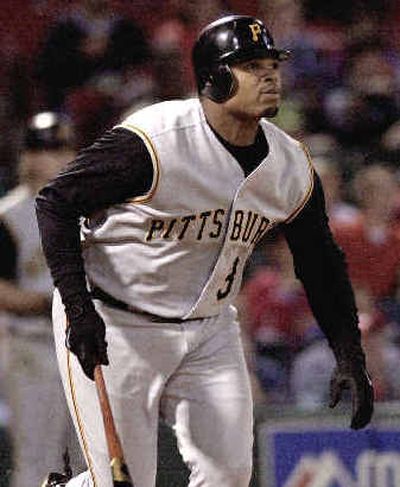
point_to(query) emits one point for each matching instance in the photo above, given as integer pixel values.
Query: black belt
(97, 293)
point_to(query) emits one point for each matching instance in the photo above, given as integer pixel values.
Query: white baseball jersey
(17, 210)
(180, 250)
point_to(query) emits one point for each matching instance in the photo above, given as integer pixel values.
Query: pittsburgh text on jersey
(244, 225)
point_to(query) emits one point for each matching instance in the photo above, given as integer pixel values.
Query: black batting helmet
(48, 130)
(230, 39)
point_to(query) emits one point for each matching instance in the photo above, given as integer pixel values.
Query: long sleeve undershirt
(118, 167)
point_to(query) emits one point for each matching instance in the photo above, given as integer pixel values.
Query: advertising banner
(314, 454)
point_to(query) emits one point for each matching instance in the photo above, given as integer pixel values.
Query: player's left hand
(354, 377)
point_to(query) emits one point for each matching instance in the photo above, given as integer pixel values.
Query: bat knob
(120, 473)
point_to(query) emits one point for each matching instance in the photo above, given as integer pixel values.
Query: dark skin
(257, 94)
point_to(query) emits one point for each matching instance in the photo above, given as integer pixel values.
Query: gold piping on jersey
(154, 159)
(156, 166)
(78, 418)
(293, 215)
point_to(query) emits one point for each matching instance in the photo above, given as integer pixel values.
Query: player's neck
(237, 131)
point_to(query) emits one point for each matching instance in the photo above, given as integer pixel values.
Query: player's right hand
(85, 335)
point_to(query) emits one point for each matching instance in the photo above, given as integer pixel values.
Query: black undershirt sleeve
(115, 168)
(248, 157)
(320, 265)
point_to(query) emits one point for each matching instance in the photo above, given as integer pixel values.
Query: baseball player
(40, 421)
(146, 235)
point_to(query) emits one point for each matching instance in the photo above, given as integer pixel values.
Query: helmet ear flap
(220, 84)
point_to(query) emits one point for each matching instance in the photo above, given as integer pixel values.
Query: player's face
(258, 90)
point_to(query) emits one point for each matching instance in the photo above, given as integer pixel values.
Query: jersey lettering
(223, 293)
(246, 226)
(203, 217)
(217, 222)
(262, 228)
(186, 220)
(156, 226)
(251, 220)
(170, 227)
(237, 225)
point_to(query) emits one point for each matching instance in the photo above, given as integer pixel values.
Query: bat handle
(119, 470)
(113, 441)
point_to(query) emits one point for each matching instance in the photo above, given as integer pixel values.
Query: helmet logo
(255, 31)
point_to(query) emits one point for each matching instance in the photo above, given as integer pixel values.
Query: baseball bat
(119, 469)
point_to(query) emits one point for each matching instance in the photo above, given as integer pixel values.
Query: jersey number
(223, 293)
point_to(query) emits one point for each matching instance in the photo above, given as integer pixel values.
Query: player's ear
(220, 84)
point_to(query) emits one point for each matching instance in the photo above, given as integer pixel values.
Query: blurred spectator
(14, 105)
(371, 243)
(312, 68)
(382, 353)
(360, 111)
(276, 317)
(390, 25)
(339, 11)
(343, 12)
(310, 373)
(290, 32)
(88, 42)
(171, 44)
(39, 422)
(389, 149)
(339, 209)
(322, 144)
(312, 366)
(177, 32)
(85, 62)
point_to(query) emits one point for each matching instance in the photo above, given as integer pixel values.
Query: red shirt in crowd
(372, 254)
(275, 310)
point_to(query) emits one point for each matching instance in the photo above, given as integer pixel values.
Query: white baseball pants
(193, 373)
(40, 424)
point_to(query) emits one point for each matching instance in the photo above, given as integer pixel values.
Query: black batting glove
(354, 377)
(85, 334)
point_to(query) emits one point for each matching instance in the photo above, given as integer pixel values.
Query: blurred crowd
(93, 61)
(96, 60)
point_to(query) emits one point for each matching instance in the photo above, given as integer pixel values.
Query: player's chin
(271, 112)
(269, 108)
